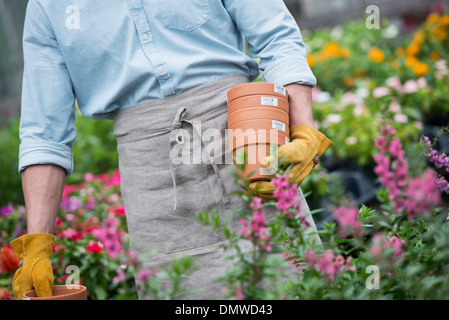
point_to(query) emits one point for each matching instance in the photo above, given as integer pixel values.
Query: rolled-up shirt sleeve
(275, 38)
(47, 124)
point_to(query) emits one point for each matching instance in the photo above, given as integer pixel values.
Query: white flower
(400, 117)
(362, 93)
(322, 97)
(358, 110)
(381, 92)
(333, 118)
(351, 140)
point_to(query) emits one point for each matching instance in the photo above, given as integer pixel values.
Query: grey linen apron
(163, 186)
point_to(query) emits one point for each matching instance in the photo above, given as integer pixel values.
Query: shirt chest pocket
(185, 15)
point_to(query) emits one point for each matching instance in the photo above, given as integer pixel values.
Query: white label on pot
(278, 125)
(280, 89)
(287, 140)
(269, 101)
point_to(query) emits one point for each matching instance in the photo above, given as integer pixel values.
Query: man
(158, 68)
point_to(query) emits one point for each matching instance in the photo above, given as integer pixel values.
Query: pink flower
(286, 195)
(410, 86)
(71, 204)
(349, 98)
(143, 275)
(381, 92)
(89, 177)
(327, 264)
(422, 83)
(6, 210)
(395, 148)
(381, 144)
(348, 265)
(110, 237)
(256, 231)
(381, 242)
(348, 221)
(423, 194)
(120, 277)
(395, 83)
(256, 203)
(311, 258)
(295, 262)
(114, 180)
(239, 293)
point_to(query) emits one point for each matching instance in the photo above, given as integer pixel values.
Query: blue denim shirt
(113, 54)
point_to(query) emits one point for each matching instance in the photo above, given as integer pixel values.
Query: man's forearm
(42, 188)
(300, 99)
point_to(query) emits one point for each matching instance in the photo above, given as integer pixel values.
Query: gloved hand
(36, 272)
(306, 146)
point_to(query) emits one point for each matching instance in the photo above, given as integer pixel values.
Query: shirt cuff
(45, 152)
(288, 70)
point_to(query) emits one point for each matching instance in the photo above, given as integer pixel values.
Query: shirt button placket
(150, 48)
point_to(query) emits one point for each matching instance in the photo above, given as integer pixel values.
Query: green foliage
(94, 151)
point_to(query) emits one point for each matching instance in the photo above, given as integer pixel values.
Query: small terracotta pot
(265, 124)
(257, 88)
(61, 292)
(255, 153)
(262, 101)
(253, 137)
(257, 113)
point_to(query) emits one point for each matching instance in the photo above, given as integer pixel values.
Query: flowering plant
(92, 246)
(395, 251)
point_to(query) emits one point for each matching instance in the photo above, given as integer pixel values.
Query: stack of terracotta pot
(258, 116)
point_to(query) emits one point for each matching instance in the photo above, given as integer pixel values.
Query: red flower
(118, 210)
(94, 247)
(68, 189)
(8, 260)
(5, 295)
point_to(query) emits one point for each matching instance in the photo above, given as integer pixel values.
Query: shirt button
(160, 69)
(145, 36)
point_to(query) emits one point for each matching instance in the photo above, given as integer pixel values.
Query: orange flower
(311, 61)
(411, 61)
(376, 55)
(345, 52)
(400, 52)
(348, 81)
(432, 18)
(434, 55)
(332, 49)
(413, 49)
(420, 69)
(8, 260)
(444, 20)
(394, 65)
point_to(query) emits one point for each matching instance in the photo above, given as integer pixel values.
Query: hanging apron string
(176, 136)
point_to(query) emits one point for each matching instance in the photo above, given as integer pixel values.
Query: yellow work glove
(36, 272)
(306, 147)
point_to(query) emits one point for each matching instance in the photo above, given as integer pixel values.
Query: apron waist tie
(177, 136)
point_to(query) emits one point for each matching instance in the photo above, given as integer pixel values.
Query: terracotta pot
(257, 113)
(61, 292)
(265, 124)
(257, 88)
(255, 153)
(254, 137)
(258, 101)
